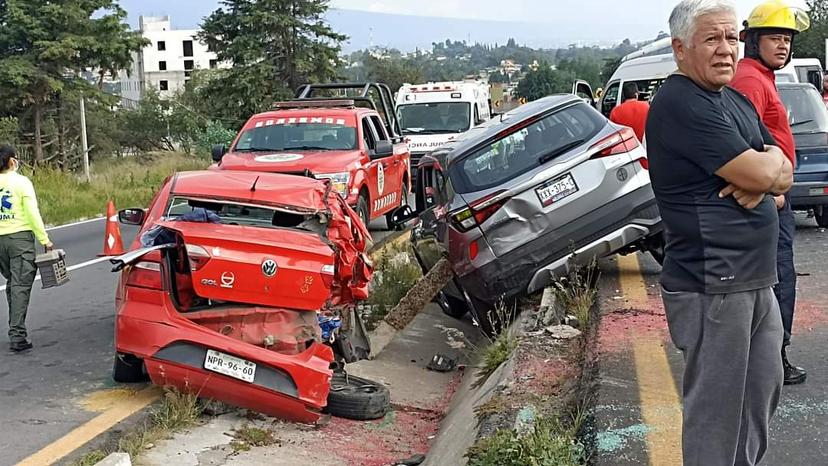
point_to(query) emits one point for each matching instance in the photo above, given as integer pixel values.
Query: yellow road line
(660, 402)
(125, 407)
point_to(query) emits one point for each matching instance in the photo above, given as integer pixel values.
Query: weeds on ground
(247, 437)
(396, 271)
(501, 345)
(549, 443)
(129, 182)
(177, 411)
(576, 293)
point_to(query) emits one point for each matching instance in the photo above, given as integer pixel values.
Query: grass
(129, 182)
(177, 411)
(396, 271)
(576, 293)
(549, 443)
(247, 437)
(494, 355)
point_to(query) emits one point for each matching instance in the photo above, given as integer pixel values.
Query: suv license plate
(555, 190)
(818, 191)
(230, 365)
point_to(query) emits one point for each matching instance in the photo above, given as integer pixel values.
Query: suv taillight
(616, 143)
(479, 211)
(198, 257)
(145, 275)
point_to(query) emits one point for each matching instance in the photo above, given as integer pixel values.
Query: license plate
(818, 191)
(230, 365)
(555, 190)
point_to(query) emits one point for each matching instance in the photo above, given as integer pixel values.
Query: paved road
(638, 414)
(65, 381)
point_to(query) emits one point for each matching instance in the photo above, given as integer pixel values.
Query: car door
(388, 181)
(610, 98)
(583, 90)
(428, 244)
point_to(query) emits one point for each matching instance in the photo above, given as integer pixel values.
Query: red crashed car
(240, 287)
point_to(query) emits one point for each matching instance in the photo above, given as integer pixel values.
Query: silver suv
(526, 197)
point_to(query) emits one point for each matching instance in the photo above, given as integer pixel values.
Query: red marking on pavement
(619, 326)
(808, 315)
(404, 432)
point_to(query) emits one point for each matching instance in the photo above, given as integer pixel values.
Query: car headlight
(339, 181)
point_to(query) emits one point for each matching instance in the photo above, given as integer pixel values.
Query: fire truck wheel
(362, 210)
(357, 398)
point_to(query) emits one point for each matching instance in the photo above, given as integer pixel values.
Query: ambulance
(436, 113)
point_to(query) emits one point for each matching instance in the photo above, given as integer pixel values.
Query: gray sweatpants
(732, 376)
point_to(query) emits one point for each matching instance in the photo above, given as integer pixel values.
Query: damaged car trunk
(256, 296)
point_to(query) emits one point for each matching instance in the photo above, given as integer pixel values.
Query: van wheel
(362, 210)
(128, 369)
(403, 202)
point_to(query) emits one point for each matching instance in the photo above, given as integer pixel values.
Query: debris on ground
(442, 363)
(563, 332)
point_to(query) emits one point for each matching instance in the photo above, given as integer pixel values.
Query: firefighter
(769, 36)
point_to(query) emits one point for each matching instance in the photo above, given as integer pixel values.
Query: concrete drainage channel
(436, 417)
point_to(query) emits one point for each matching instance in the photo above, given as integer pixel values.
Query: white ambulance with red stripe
(434, 114)
(346, 133)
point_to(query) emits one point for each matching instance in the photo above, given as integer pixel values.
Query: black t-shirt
(713, 245)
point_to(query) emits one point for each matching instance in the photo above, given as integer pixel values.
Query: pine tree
(273, 45)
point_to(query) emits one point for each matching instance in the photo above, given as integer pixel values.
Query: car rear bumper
(534, 265)
(293, 387)
(809, 194)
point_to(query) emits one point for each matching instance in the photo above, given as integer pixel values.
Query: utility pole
(84, 146)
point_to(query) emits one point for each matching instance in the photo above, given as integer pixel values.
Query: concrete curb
(115, 459)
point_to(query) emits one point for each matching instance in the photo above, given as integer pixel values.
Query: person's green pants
(17, 264)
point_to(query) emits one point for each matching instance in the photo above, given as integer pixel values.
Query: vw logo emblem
(228, 279)
(269, 268)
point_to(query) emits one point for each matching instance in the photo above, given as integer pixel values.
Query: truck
(435, 113)
(346, 133)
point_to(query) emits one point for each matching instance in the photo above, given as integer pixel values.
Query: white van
(433, 114)
(650, 72)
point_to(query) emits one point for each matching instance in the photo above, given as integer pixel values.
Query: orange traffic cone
(113, 245)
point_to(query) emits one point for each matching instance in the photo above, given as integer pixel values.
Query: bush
(215, 133)
(395, 272)
(548, 444)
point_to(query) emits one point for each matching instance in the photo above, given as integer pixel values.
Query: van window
(519, 152)
(610, 98)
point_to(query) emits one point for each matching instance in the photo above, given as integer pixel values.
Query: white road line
(59, 227)
(71, 268)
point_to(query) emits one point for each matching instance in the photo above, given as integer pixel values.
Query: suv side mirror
(132, 216)
(218, 152)
(402, 215)
(384, 149)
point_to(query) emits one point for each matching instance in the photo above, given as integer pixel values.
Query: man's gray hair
(684, 16)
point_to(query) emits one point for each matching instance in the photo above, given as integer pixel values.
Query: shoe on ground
(793, 375)
(20, 346)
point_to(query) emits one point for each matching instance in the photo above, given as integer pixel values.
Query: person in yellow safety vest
(20, 225)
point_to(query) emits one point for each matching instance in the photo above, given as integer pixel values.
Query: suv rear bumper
(801, 197)
(533, 265)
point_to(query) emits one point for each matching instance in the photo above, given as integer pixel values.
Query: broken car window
(232, 213)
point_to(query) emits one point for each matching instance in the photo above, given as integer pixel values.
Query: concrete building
(167, 62)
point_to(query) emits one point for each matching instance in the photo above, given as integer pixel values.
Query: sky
(549, 23)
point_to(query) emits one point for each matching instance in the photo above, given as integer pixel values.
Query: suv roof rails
(361, 94)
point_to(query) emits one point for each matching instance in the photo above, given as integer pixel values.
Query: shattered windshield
(435, 118)
(231, 213)
(298, 134)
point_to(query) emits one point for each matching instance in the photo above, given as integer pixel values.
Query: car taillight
(198, 257)
(327, 273)
(474, 249)
(145, 275)
(616, 143)
(644, 162)
(479, 211)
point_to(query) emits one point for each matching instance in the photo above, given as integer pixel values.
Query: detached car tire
(128, 369)
(357, 398)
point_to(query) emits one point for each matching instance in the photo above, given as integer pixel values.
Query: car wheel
(362, 210)
(821, 216)
(128, 369)
(357, 398)
(451, 306)
(403, 202)
(490, 317)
